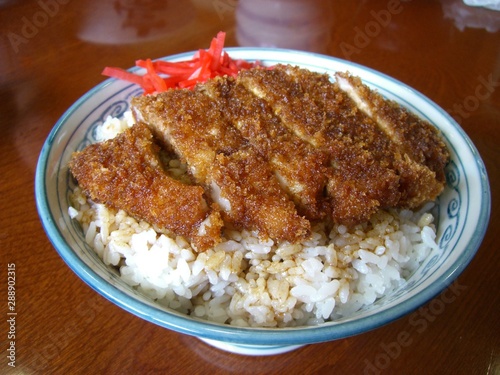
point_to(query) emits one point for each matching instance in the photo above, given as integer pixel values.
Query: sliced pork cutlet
(234, 173)
(421, 154)
(299, 167)
(359, 183)
(126, 173)
(349, 126)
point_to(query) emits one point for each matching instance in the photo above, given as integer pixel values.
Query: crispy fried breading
(126, 173)
(256, 199)
(359, 181)
(235, 175)
(267, 147)
(300, 168)
(419, 154)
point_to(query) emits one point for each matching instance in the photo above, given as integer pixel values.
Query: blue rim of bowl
(256, 336)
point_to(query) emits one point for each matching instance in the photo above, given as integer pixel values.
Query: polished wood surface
(53, 51)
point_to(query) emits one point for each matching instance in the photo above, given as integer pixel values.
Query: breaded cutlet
(299, 167)
(233, 173)
(272, 150)
(359, 181)
(420, 154)
(126, 173)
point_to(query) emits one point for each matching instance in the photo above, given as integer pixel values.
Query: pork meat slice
(360, 181)
(299, 167)
(234, 173)
(420, 156)
(126, 173)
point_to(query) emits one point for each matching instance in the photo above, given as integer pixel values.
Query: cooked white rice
(247, 282)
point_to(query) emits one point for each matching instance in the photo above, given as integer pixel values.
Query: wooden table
(53, 51)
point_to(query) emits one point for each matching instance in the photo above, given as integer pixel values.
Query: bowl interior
(462, 212)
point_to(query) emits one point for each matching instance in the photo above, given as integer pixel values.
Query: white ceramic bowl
(463, 214)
